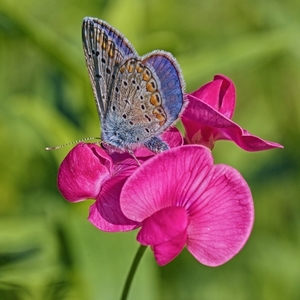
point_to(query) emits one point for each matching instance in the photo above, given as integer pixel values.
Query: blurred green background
(48, 250)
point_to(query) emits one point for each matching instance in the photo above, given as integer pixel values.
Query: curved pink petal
(167, 251)
(217, 200)
(202, 122)
(163, 225)
(173, 137)
(199, 134)
(222, 216)
(158, 183)
(166, 232)
(83, 171)
(106, 213)
(219, 94)
(112, 221)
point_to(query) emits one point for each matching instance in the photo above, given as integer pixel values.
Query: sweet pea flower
(180, 198)
(208, 118)
(90, 172)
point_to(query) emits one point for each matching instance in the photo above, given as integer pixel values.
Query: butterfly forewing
(104, 50)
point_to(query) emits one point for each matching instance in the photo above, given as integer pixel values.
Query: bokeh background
(48, 250)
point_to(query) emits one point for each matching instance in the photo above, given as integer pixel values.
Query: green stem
(132, 271)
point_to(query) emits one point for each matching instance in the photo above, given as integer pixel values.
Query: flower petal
(202, 122)
(163, 225)
(166, 232)
(106, 213)
(217, 200)
(158, 183)
(219, 94)
(83, 171)
(167, 251)
(173, 137)
(116, 222)
(222, 216)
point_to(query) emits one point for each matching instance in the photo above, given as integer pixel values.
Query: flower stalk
(132, 271)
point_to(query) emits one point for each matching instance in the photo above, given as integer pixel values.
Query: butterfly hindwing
(171, 84)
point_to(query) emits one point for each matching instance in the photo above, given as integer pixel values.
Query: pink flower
(89, 172)
(208, 118)
(181, 199)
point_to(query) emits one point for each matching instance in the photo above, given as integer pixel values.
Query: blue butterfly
(137, 98)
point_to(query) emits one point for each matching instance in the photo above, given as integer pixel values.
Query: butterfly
(137, 98)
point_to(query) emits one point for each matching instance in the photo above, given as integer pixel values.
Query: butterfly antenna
(72, 143)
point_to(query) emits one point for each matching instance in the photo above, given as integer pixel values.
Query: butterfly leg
(132, 154)
(156, 145)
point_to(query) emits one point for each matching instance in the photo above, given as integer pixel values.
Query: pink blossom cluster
(178, 198)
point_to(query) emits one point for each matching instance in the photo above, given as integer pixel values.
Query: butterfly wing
(147, 98)
(167, 74)
(137, 98)
(104, 49)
